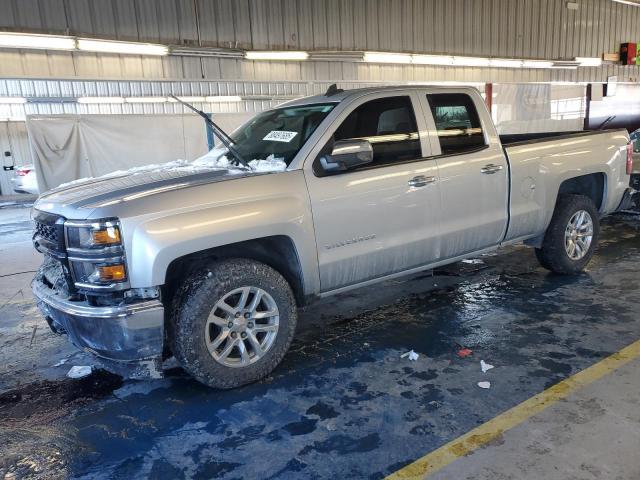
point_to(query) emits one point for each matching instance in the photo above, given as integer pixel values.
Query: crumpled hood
(96, 192)
(77, 199)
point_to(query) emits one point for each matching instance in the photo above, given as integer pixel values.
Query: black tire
(553, 254)
(194, 302)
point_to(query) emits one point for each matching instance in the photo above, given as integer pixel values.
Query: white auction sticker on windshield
(280, 136)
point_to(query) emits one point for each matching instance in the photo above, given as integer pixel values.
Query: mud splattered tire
(572, 235)
(232, 322)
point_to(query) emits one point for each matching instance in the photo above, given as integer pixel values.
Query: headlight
(96, 254)
(93, 235)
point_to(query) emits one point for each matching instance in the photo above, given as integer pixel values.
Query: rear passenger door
(473, 172)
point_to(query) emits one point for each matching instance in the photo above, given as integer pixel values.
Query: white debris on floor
(79, 371)
(485, 366)
(484, 384)
(413, 356)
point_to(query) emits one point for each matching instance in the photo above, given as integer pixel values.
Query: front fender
(252, 208)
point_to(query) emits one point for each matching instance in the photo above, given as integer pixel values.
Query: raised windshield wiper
(226, 140)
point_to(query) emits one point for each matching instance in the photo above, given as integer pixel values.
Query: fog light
(110, 273)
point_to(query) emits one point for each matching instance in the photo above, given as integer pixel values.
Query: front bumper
(128, 333)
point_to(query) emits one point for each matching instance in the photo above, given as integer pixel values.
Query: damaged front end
(82, 290)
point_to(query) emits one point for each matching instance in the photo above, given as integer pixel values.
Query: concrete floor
(344, 404)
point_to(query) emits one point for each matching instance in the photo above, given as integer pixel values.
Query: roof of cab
(357, 92)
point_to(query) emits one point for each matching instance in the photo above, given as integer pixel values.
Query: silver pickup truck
(209, 264)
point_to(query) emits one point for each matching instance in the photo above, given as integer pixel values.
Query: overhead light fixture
(382, 57)
(13, 100)
(628, 2)
(34, 41)
(457, 61)
(100, 100)
(537, 64)
(146, 100)
(505, 63)
(432, 59)
(471, 61)
(284, 55)
(125, 48)
(589, 61)
(223, 98)
(190, 99)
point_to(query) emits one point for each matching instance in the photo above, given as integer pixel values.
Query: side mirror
(347, 154)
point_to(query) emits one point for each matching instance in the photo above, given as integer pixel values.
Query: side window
(457, 122)
(389, 124)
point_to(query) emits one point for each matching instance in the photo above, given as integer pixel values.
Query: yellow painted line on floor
(479, 436)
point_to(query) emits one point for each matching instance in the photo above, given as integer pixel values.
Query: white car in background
(25, 180)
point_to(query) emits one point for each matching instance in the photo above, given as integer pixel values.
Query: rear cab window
(457, 122)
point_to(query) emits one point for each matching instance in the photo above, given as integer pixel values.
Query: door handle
(491, 169)
(421, 181)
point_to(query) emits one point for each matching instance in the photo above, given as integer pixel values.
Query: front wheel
(572, 235)
(233, 322)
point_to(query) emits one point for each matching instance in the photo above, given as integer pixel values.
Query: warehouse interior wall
(545, 29)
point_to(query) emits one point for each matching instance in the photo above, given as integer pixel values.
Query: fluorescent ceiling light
(432, 59)
(223, 98)
(537, 64)
(13, 100)
(95, 100)
(146, 99)
(589, 61)
(44, 42)
(189, 99)
(505, 63)
(471, 61)
(126, 48)
(379, 57)
(453, 60)
(628, 2)
(266, 55)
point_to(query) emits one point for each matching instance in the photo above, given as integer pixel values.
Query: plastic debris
(464, 352)
(485, 366)
(413, 356)
(79, 371)
(365, 344)
(472, 261)
(60, 363)
(484, 384)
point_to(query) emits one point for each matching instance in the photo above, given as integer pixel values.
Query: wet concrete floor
(343, 404)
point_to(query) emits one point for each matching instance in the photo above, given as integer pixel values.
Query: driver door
(381, 218)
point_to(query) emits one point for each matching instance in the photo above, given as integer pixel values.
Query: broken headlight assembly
(96, 254)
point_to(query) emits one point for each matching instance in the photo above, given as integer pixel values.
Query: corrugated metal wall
(512, 28)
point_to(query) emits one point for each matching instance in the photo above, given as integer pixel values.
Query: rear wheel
(572, 235)
(233, 322)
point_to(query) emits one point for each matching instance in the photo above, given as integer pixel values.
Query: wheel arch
(592, 185)
(277, 251)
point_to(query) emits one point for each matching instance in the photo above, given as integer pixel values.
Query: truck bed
(521, 138)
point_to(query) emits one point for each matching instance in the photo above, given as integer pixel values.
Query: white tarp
(69, 147)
